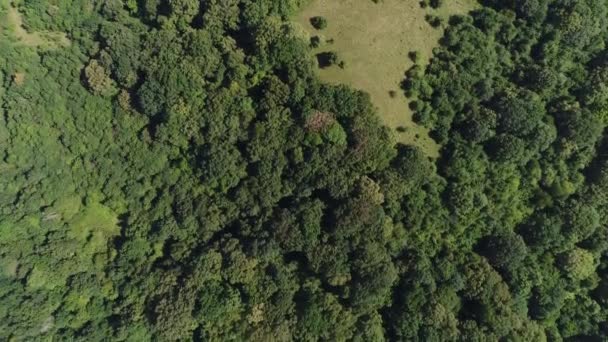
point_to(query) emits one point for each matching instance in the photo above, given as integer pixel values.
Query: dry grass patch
(19, 78)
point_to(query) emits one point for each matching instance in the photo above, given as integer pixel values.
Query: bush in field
(320, 23)
(327, 59)
(436, 3)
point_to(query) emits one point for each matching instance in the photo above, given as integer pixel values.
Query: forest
(176, 170)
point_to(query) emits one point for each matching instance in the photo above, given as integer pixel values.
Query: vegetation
(436, 3)
(315, 42)
(320, 23)
(522, 127)
(179, 172)
(374, 40)
(45, 39)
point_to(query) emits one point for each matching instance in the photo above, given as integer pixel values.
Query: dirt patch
(19, 78)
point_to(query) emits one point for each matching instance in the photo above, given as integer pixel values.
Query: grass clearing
(14, 23)
(374, 39)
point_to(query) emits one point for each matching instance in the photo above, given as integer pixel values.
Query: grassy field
(374, 40)
(11, 19)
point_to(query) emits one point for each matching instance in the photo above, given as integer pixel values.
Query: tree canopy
(178, 172)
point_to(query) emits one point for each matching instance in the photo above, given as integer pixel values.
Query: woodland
(175, 170)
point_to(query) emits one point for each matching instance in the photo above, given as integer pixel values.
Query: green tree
(320, 23)
(505, 250)
(578, 263)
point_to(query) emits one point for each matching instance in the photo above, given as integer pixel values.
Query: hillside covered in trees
(174, 170)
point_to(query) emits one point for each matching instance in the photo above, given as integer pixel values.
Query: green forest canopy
(179, 172)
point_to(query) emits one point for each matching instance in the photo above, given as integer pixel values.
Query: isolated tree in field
(327, 59)
(320, 23)
(436, 3)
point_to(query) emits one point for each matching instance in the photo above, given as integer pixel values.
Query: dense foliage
(179, 173)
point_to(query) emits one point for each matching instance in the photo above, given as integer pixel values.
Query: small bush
(327, 59)
(414, 106)
(320, 23)
(414, 56)
(433, 20)
(436, 3)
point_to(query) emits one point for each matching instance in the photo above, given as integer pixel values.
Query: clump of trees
(517, 159)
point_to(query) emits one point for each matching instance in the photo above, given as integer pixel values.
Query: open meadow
(374, 40)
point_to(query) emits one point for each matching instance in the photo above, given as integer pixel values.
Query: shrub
(320, 23)
(436, 3)
(315, 42)
(433, 20)
(414, 56)
(327, 59)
